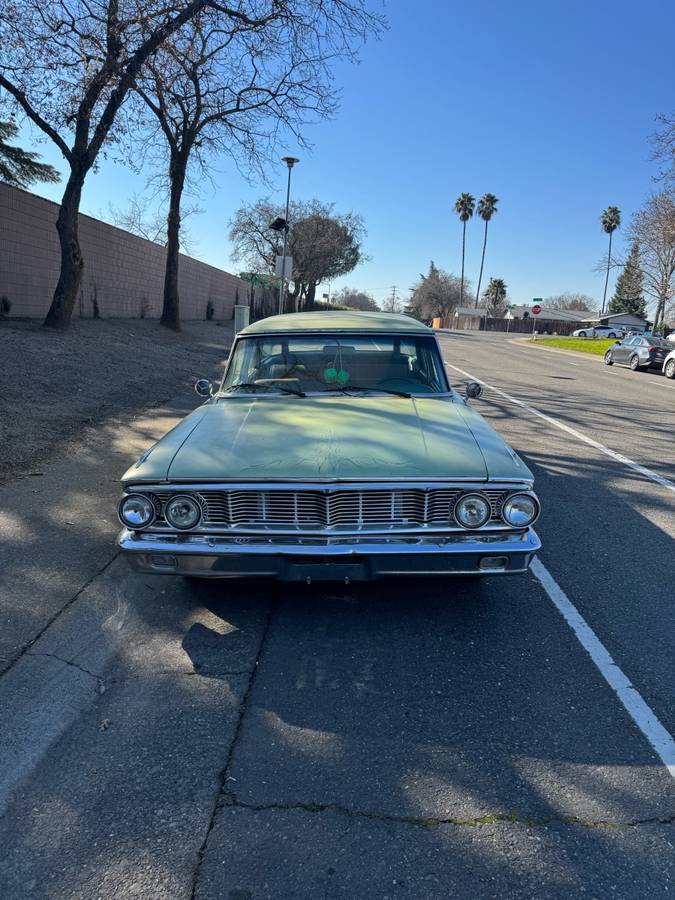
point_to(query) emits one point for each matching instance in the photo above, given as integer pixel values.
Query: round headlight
(472, 510)
(136, 511)
(520, 510)
(182, 511)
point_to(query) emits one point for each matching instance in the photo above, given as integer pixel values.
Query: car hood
(330, 438)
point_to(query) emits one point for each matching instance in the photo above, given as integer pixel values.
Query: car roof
(333, 321)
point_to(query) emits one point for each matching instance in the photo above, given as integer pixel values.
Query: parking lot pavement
(406, 738)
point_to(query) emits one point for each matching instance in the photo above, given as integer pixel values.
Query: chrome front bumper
(329, 558)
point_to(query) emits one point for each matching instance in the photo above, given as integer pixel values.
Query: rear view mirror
(473, 390)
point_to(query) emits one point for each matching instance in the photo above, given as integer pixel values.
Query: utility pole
(394, 288)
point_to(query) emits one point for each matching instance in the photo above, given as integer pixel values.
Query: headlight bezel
(530, 496)
(468, 496)
(191, 499)
(136, 495)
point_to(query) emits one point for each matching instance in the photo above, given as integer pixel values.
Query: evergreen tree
(20, 167)
(628, 294)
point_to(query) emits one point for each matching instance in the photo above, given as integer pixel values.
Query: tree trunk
(482, 260)
(609, 263)
(72, 262)
(461, 286)
(311, 293)
(171, 304)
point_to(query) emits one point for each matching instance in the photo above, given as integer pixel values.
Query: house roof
(469, 311)
(335, 321)
(625, 315)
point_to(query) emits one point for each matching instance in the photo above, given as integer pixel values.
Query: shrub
(210, 310)
(5, 306)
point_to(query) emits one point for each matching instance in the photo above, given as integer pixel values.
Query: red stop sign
(536, 310)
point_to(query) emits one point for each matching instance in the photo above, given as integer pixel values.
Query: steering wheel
(278, 359)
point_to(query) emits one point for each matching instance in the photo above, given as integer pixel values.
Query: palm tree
(610, 221)
(487, 207)
(464, 207)
(495, 293)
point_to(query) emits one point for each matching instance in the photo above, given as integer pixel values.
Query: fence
(513, 326)
(123, 275)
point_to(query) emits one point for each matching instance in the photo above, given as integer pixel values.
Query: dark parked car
(639, 352)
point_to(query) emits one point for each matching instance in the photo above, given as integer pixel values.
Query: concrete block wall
(122, 272)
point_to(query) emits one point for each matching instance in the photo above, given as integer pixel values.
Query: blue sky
(547, 105)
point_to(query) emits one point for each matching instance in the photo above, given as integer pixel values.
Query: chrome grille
(332, 508)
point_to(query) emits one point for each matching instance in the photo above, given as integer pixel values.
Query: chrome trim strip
(329, 484)
(178, 545)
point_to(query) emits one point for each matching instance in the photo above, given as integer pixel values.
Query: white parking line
(643, 716)
(618, 457)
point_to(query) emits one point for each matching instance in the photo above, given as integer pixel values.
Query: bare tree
(355, 299)
(225, 94)
(392, 304)
(570, 300)
(436, 294)
(653, 227)
(323, 244)
(663, 144)
(69, 65)
(142, 218)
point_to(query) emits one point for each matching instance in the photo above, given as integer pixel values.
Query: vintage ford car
(333, 448)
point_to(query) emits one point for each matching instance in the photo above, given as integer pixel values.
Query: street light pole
(290, 162)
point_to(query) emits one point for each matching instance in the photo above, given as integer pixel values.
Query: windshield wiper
(347, 388)
(275, 385)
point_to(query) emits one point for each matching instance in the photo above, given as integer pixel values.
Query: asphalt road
(403, 739)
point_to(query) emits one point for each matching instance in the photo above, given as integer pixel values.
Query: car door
(621, 352)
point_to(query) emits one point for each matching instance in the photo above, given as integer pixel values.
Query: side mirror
(473, 390)
(203, 388)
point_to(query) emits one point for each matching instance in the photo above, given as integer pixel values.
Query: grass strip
(597, 346)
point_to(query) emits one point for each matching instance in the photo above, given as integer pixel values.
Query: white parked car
(599, 331)
(669, 365)
(671, 337)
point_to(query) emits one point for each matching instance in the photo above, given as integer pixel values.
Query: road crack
(70, 662)
(29, 644)
(434, 822)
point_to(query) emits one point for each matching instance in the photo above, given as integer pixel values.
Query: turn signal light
(492, 562)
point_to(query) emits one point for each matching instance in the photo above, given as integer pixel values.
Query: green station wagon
(334, 448)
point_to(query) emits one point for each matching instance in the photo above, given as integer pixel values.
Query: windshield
(323, 363)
